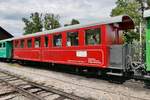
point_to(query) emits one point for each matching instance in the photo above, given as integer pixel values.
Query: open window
(4, 45)
(37, 42)
(16, 44)
(0, 45)
(22, 44)
(57, 40)
(72, 39)
(46, 41)
(92, 36)
(29, 43)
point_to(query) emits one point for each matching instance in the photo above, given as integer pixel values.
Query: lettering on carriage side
(94, 61)
(76, 61)
(80, 53)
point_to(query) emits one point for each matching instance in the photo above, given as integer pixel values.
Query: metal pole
(140, 41)
(143, 6)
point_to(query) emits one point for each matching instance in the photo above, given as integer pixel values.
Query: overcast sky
(12, 11)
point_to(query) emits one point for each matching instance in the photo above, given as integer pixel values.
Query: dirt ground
(91, 88)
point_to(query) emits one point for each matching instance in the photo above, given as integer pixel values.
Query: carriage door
(116, 47)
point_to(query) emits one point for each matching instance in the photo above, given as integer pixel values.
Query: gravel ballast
(86, 87)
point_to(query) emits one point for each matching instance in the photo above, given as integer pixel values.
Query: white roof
(117, 19)
(10, 39)
(147, 13)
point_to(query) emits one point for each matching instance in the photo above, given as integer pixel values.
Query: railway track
(7, 92)
(130, 84)
(31, 90)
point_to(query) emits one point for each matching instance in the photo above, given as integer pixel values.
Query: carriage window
(4, 45)
(16, 44)
(29, 43)
(57, 40)
(0, 45)
(22, 44)
(92, 36)
(72, 39)
(37, 43)
(46, 41)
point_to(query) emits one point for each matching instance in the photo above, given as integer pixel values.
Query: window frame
(56, 34)
(28, 44)
(100, 35)
(73, 31)
(4, 45)
(40, 40)
(48, 39)
(22, 46)
(1, 45)
(16, 44)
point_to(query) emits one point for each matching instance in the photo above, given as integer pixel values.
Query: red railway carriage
(83, 44)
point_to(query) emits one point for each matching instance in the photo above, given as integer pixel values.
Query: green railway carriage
(6, 49)
(147, 17)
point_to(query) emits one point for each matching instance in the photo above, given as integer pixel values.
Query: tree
(37, 22)
(51, 21)
(34, 24)
(28, 26)
(146, 1)
(130, 7)
(73, 22)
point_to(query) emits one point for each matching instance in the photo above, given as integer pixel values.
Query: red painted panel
(26, 54)
(91, 56)
(81, 37)
(94, 56)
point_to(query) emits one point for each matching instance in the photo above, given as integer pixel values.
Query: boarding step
(114, 74)
(147, 77)
(118, 68)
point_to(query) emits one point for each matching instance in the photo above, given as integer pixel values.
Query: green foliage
(34, 24)
(51, 21)
(129, 36)
(130, 8)
(73, 22)
(37, 22)
(147, 1)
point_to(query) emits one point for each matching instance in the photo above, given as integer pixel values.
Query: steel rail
(32, 96)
